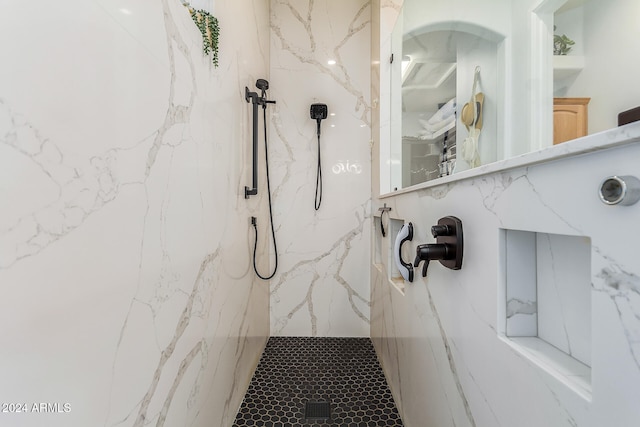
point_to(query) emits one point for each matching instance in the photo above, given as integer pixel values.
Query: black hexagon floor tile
(343, 372)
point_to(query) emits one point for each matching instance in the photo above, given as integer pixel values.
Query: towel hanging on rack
(471, 117)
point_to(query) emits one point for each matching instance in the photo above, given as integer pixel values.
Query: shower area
(130, 216)
(319, 365)
(129, 294)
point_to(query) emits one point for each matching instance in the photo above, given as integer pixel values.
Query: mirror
(439, 67)
(528, 95)
(594, 78)
(428, 97)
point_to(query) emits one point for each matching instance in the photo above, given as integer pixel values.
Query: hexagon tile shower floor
(319, 382)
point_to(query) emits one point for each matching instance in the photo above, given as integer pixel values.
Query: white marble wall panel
(321, 287)
(564, 293)
(520, 287)
(441, 344)
(127, 289)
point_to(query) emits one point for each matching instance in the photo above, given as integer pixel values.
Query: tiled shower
(128, 292)
(321, 55)
(124, 249)
(125, 252)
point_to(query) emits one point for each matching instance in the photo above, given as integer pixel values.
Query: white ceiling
(431, 78)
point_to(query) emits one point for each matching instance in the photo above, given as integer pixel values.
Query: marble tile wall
(322, 285)
(564, 293)
(442, 344)
(128, 296)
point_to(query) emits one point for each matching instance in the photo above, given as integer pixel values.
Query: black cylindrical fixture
(441, 230)
(255, 149)
(253, 98)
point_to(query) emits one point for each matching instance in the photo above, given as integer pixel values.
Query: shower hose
(318, 198)
(253, 220)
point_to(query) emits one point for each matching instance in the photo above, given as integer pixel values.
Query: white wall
(321, 288)
(611, 35)
(571, 24)
(127, 290)
(492, 15)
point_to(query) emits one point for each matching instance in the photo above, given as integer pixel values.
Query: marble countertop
(616, 137)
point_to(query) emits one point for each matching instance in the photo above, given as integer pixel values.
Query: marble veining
(124, 254)
(320, 288)
(623, 288)
(563, 291)
(167, 352)
(476, 369)
(492, 188)
(446, 337)
(80, 190)
(451, 360)
(548, 193)
(84, 188)
(339, 251)
(624, 135)
(358, 23)
(555, 286)
(391, 4)
(437, 193)
(518, 306)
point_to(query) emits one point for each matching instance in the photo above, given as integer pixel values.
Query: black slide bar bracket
(255, 100)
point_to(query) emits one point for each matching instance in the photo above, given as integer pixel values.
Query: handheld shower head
(263, 85)
(319, 112)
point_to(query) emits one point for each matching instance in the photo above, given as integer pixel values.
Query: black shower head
(319, 112)
(262, 84)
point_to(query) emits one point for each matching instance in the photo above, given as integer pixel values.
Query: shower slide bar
(256, 100)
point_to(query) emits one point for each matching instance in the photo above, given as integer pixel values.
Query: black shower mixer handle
(448, 246)
(431, 251)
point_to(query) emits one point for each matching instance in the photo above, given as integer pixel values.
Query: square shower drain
(317, 411)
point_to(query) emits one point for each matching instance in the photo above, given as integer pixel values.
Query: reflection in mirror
(531, 97)
(428, 106)
(436, 128)
(592, 61)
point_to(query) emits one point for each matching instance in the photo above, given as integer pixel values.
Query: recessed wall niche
(545, 312)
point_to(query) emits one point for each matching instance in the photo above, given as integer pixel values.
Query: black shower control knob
(431, 251)
(441, 230)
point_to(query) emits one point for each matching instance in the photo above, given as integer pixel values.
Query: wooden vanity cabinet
(570, 118)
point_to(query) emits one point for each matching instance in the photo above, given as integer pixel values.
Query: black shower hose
(318, 199)
(255, 226)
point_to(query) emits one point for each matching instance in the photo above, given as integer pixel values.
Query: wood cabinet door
(570, 118)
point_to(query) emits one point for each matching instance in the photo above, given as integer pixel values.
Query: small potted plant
(561, 44)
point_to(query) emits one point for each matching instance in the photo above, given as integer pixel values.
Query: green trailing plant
(208, 26)
(561, 44)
